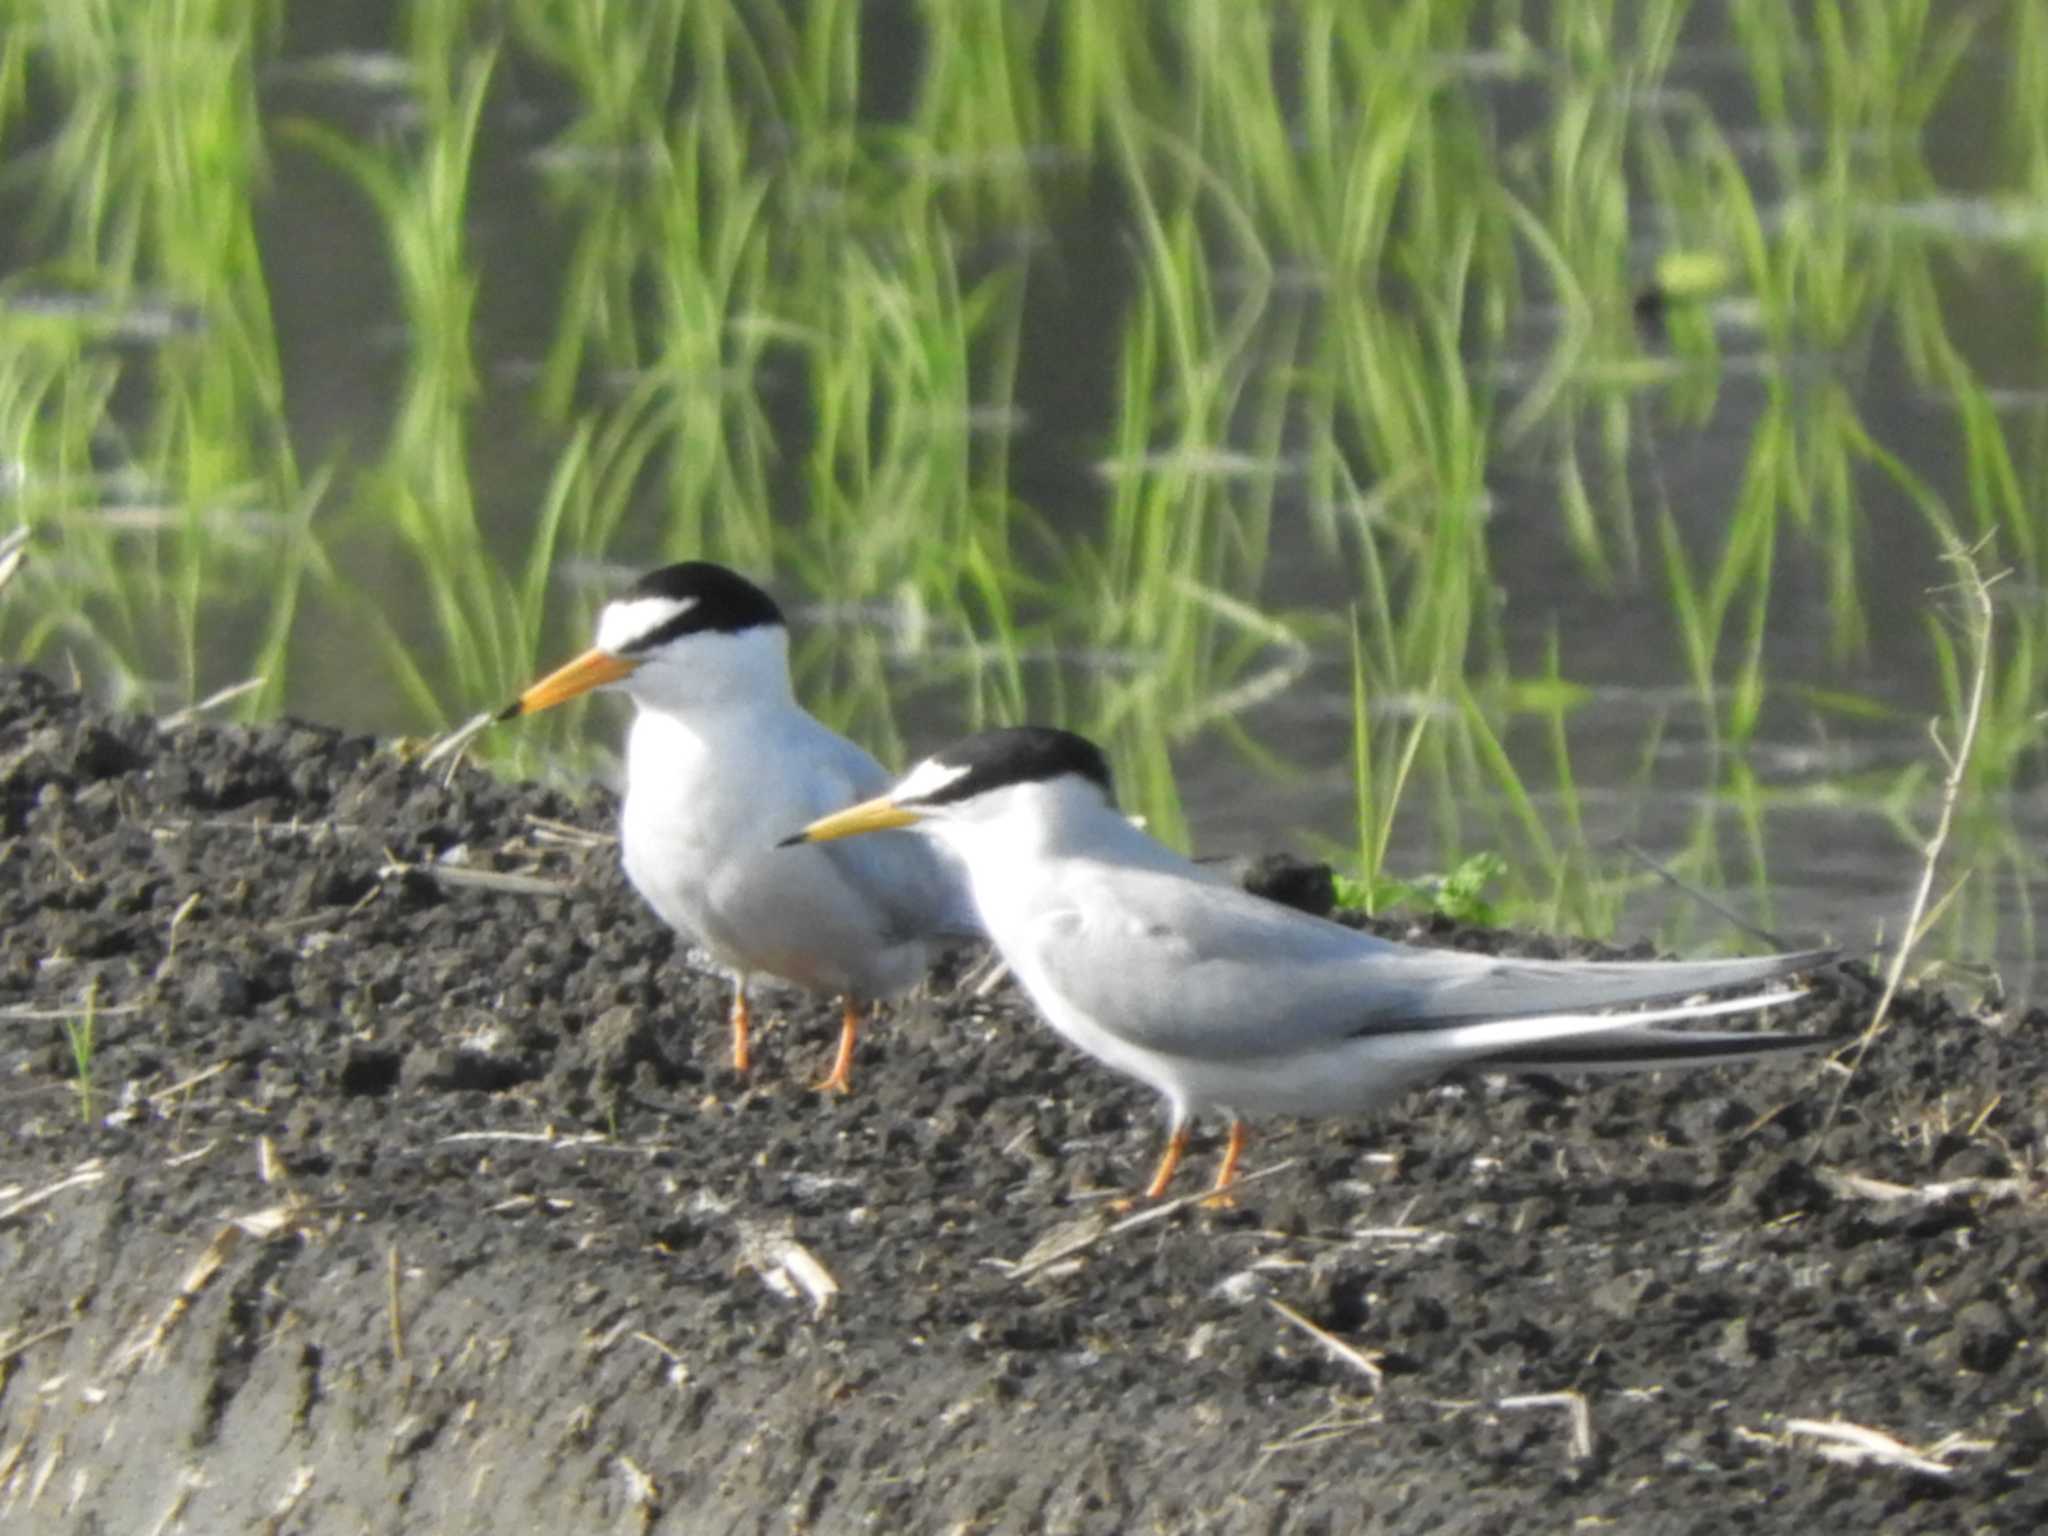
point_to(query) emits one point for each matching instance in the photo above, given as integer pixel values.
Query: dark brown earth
(407, 1203)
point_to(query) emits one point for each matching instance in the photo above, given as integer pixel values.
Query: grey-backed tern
(720, 761)
(1220, 1000)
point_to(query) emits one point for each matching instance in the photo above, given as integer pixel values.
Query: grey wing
(1464, 989)
(1187, 967)
(1208, 971)
(924, 892)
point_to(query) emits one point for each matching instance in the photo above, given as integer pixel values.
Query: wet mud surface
(414, 1194)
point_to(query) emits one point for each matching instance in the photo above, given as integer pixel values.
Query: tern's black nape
(1021, 754)
(707, 598)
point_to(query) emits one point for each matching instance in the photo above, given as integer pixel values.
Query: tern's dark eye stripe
(714, 598)
(1022, 754)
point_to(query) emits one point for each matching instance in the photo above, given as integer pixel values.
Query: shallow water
(1807, 827)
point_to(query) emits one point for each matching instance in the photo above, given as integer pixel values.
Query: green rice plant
(1740, 576)
(621, 61)
(138, 451)
(1550, 697)
(1410, 399)
(14, 53)
(81, 1042)
(2008, 724)
(890, 475)
(1990, 906)
(422, 490)
(1867, 77)
(979, 125)
(1377, 790)
(713, 329)
(1105, 55)
(1373, 265)
(1459, 894)
(1510, 806)
(606, 173)
(1187, 520)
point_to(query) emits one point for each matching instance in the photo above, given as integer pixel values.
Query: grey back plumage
(1199, 970)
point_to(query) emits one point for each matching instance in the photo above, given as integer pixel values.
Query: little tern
(721, 759)
(1220, 1000)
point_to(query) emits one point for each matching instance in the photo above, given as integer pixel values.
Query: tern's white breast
(706, 803)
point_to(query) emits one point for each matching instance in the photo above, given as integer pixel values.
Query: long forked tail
(1607, 1040)
(1644, 1041)
(1470, 991)
(1649, 1049)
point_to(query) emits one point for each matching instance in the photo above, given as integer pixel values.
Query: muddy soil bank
(412, 1194)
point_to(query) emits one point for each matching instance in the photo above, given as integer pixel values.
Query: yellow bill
(593, 669)
(878, 815)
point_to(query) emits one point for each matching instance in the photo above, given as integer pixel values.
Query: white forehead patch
(927, 778)
(632, 619)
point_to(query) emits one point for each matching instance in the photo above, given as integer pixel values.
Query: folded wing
(1194, 969)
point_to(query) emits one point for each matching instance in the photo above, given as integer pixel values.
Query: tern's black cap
(1022, 754)
(707, 597)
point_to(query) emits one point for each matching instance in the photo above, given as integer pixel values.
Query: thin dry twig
(1975, 587)
(1077, 1238)
(1334, 1425)
(984, 976)
(785, 1265)
(677, 1373)
(1858, 1445)
(586, 1141)
(28, 1013)
(1863, 1187)
(11, 1352)
(392, 1275)
(164, 1095)
(641, 1491)
(288, 1502)
(270, 1223)
(661, 1347)
(13, 551)
(188, 1482)
(455, 743)
(226, 695)
(85, 1174)
(1331, 1345)
(178, 919)
(568, 834)
(197, 1278)
(1719, 908)
(482, 879)
(1580, 1446)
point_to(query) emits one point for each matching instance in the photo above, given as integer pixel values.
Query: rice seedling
(81, 1031)
(142, 345)
(1085, 363)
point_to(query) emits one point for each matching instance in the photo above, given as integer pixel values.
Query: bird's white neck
(715, 673)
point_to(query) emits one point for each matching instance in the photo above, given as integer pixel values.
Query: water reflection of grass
(1376, 267)
(140, 387)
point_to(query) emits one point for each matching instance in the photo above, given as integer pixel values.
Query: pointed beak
(593, 669)
(878, 815)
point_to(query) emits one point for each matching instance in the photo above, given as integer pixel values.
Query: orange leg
(1176, 1145)
(840, 1079)
(742, 1021)
(1226, 1172)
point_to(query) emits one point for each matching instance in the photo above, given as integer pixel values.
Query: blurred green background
(1399, 431)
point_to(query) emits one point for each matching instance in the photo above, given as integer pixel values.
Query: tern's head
(1024, 785)
(685, 635)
